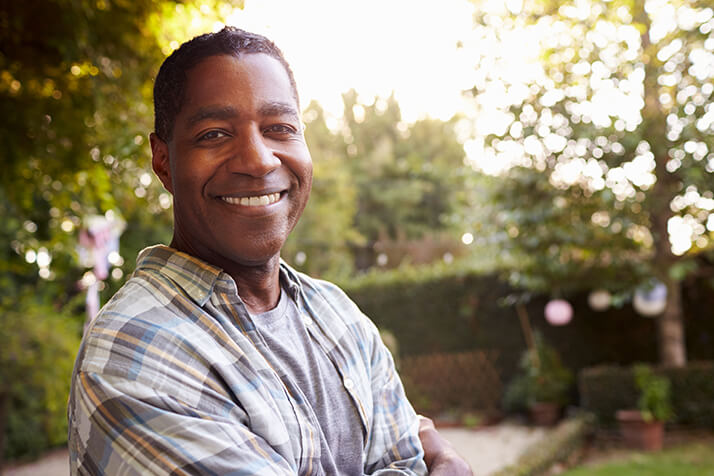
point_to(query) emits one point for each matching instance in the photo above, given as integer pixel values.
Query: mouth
(254, 201)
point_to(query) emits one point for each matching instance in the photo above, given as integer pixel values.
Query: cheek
(189, 177)
(307, 172)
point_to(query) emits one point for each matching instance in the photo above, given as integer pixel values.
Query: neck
(258, 283)
(258, 286)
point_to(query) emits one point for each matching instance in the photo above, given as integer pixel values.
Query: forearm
(439, 454)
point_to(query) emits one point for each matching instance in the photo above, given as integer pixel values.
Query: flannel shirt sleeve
(124, 426)
(393, 445)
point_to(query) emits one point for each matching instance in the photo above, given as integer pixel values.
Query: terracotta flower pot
(638, 433)
(544, 413)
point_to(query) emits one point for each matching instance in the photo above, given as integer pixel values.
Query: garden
(543, 252)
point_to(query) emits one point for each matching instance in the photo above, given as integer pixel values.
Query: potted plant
(643, 428)
(542, 386)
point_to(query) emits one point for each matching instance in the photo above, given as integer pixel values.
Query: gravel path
(487, 450)
(54, 463)
(492, 448)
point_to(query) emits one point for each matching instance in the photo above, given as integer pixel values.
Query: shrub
(542, 378)
(654, 402)
(606, 389)
(36, 358)
(455, 309)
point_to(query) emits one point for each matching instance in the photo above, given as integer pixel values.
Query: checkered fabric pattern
(172, 378)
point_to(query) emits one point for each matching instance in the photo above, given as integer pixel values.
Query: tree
(409, 177)
(75, 95)
(378, 182)
(320, 244)
(609, 140)
(75, 92)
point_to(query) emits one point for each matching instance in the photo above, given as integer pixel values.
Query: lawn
(691, 459)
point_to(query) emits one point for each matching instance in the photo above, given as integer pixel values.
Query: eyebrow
(275, 108)
(213, 112)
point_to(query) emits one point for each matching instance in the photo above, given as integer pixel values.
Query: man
(216, 357)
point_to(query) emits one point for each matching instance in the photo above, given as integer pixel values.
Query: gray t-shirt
(294, 356)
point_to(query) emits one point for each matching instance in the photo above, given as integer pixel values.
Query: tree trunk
(670, 327)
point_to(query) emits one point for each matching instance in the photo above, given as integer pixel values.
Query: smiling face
(237, 163)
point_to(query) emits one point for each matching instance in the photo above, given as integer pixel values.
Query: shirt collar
(198, 278)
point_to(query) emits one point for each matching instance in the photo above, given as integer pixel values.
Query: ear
(160, 161)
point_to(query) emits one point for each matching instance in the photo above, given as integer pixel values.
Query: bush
(542, 378)
(606, 389)
(454, 308)
(654, 402)
(36, 358)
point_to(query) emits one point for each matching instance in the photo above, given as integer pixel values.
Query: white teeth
(253, 201)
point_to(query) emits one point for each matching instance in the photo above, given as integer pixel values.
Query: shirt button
(349, 384)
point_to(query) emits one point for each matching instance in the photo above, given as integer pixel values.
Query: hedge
(453, 309)
(606, 389)
(37, 350)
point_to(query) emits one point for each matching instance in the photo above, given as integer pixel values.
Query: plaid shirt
(171, 378)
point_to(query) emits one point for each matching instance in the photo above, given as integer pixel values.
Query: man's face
(237, 165)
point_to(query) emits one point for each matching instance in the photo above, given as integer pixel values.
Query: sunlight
(405, 47)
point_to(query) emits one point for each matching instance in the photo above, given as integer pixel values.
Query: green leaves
(598, 183)
(378, 181)
(654, 401)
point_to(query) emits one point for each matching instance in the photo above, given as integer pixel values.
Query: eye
(212, 135)
(280, 129)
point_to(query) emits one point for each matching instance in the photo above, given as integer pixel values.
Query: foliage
(39, 345)
(75, 89)
(321, 242)
(609, 144)
(378, 180)
(654, 401)
(605, 389)
(452, 308)
(542, 378)
(409, 177)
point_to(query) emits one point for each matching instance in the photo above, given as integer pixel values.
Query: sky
(377, 47)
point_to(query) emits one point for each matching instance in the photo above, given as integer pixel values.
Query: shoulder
(147, 298)
(147, 324)
(328, 293)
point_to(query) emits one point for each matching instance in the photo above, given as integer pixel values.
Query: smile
(259, 200)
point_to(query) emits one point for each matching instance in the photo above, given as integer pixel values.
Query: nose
(252, 156)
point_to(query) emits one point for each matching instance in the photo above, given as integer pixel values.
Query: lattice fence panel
(466, 381)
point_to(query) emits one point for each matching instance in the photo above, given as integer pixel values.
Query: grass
(693, 459)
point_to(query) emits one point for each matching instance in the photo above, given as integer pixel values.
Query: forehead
(247, 81)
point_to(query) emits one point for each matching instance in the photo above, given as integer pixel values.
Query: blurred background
(519, 193)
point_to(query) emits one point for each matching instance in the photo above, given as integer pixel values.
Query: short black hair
(170, 84)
